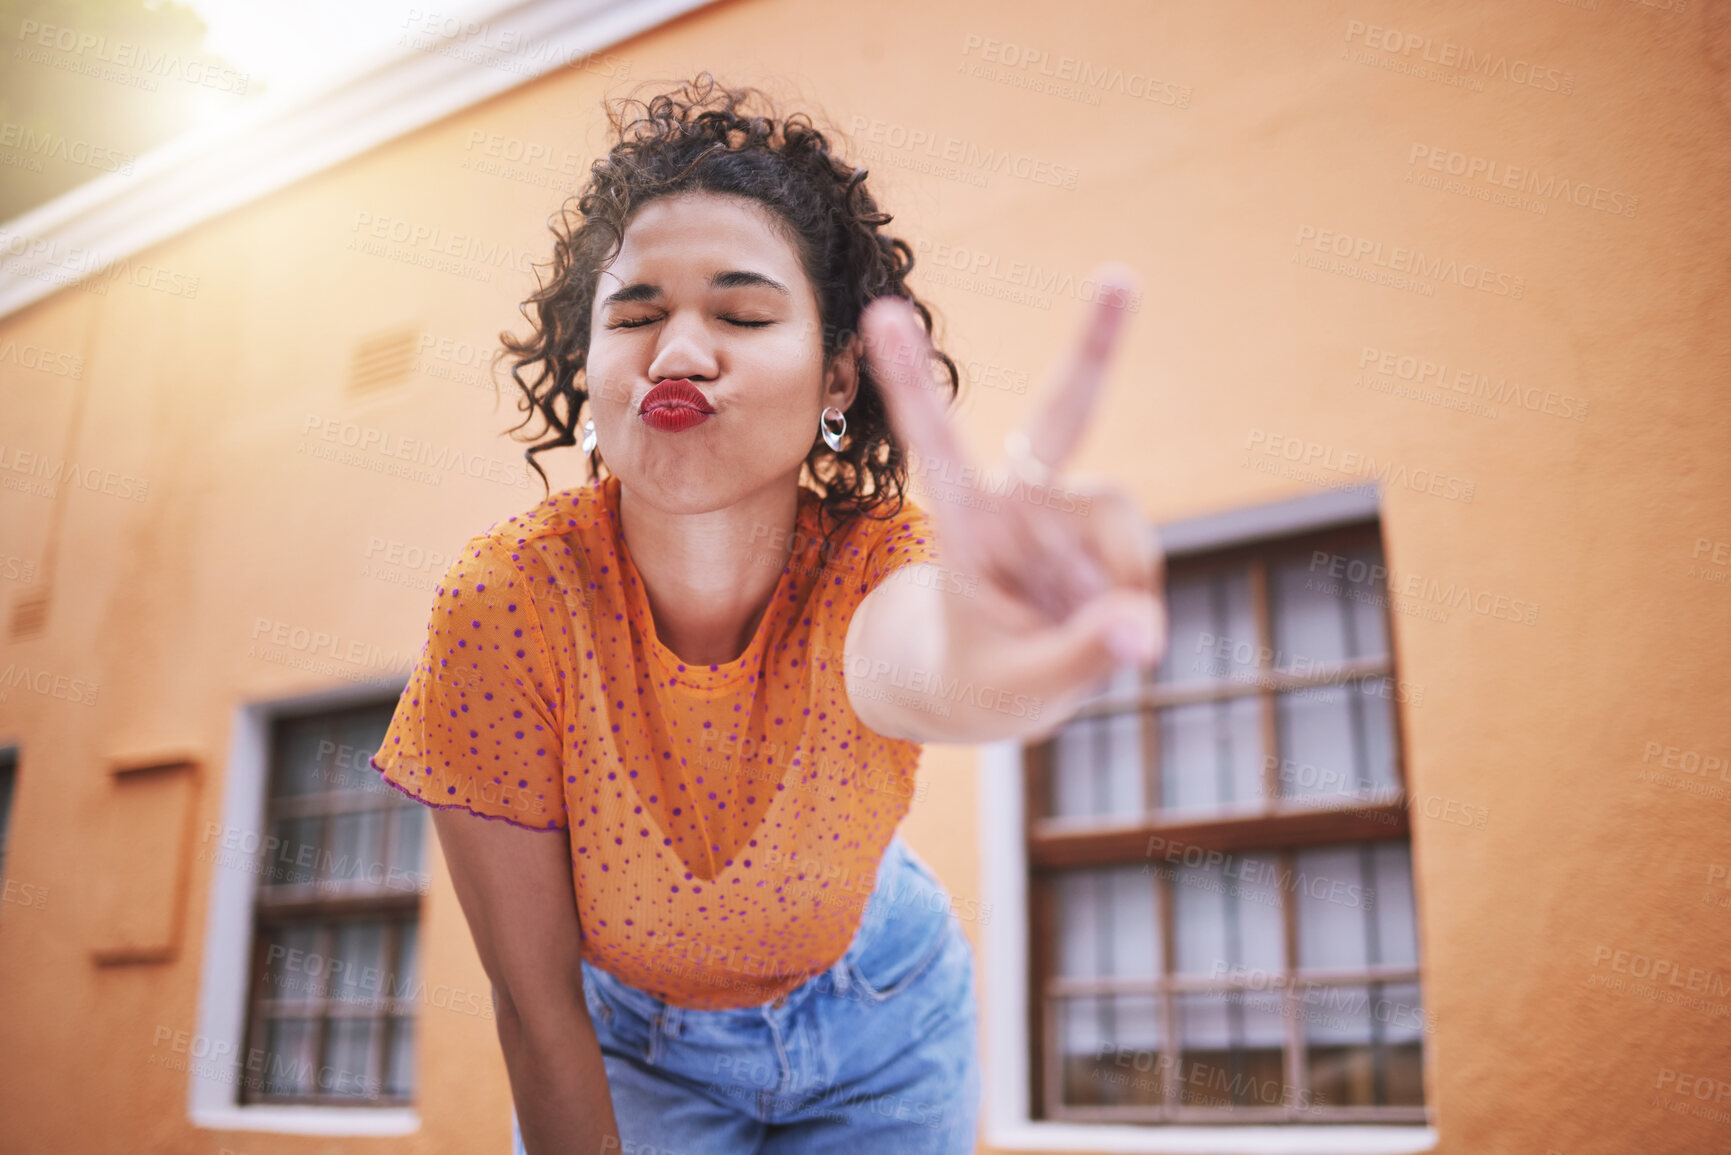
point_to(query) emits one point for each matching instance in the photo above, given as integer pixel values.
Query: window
(332, 987)
(8, 779)
(1221, 913)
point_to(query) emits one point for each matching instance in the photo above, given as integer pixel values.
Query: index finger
(900, 356)
(1056, 426)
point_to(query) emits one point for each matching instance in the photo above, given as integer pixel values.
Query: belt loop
(671, 1016)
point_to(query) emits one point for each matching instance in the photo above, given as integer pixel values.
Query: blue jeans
(877, 1054)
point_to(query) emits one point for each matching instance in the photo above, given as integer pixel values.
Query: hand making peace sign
(1069, 576)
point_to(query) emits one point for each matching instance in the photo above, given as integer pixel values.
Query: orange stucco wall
(1587, 736)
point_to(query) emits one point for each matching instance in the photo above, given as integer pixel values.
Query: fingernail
(1129, 643)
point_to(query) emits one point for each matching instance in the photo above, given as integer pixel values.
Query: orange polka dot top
(726, 822)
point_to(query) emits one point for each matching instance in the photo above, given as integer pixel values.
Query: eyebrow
(741, 279)
(732, 279)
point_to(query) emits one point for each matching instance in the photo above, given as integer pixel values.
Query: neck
(709, 576)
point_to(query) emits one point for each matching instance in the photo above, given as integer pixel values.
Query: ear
(841, 375)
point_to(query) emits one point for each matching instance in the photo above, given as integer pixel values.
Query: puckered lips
(674, 405)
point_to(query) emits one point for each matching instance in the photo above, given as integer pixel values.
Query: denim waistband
(899, 871)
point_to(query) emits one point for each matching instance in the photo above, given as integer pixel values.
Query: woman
(701, 681)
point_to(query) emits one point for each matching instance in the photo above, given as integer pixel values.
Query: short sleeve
(905, 539)
(478, 725)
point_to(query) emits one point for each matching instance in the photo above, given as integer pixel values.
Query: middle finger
(1057, 425)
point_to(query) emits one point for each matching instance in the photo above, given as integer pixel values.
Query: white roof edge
(257, 151)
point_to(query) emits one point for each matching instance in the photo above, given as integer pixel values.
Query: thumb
(1120, 627)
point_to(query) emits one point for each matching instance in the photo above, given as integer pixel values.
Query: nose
(686, 348)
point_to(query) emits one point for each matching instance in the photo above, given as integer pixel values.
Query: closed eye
(640, 322)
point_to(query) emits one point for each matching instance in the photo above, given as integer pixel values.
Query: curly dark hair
(705, 137)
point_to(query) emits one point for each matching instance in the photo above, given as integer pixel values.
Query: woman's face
(707, 291)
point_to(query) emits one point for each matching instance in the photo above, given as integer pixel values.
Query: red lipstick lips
(674, 405)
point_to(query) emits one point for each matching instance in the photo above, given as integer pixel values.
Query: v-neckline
(700, 836)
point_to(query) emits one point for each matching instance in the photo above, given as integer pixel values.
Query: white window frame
(213, 1097)
(1006, 1116)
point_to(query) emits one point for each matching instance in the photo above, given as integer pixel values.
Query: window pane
(1097, 767)
(400, 1062)
(357, 961)
(315, 753)
(293, 861)
(296, 769)
(1355, 906)
(1227, 916)
(8, 779)
(1336, 922)
(356, 736)
(408, 833)
(1336, 741)
(401, 983)
(1213, 628)
(1107, 924)
(1073, 792)
(287, 1069)
(1319, 618)
(1364, 1045)
(355, 854)
(1396, 919)
(292, 965)
(347, 1061)
(1233, 1046)
(1109, 1050)
(1211, 755)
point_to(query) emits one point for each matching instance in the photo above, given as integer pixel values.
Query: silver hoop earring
(589, 436)
(832, 437)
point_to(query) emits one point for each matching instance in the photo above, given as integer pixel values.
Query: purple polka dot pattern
(725, 821)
